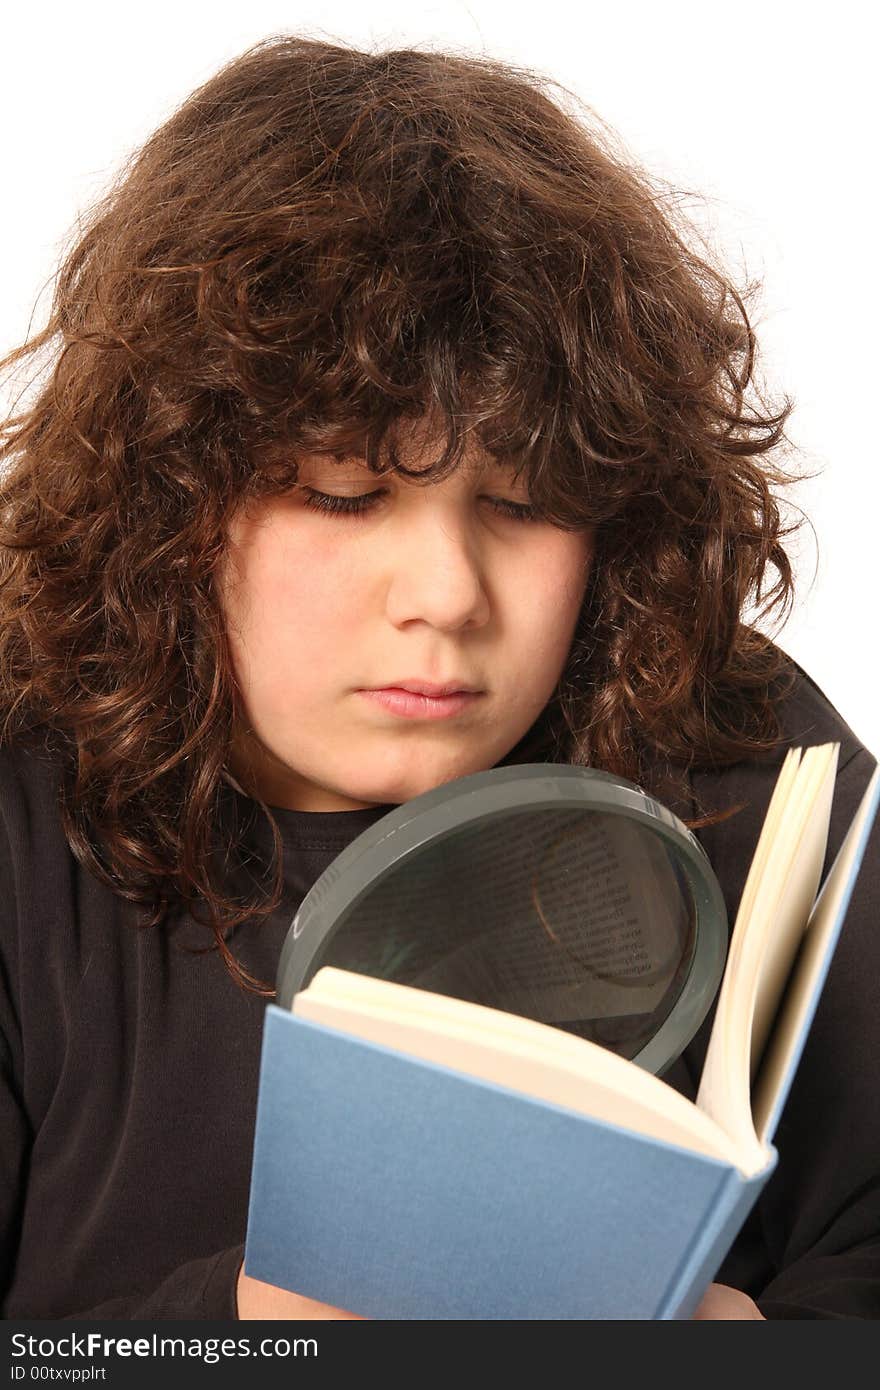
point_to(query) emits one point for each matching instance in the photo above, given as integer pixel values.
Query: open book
(456, 1161)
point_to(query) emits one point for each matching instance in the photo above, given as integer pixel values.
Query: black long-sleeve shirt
(129, 1067)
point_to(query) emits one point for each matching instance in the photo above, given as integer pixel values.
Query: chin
(412, 782)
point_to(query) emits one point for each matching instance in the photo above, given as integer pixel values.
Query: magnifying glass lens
(576, 918)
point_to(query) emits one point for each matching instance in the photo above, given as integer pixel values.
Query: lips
(409, 704)
(435, 691)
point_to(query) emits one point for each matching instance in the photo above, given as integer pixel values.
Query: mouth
(406, 703)
(434, 689)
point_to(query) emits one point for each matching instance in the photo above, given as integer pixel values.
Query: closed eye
(364, 502)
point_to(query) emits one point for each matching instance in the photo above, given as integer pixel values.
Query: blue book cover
(399, 1189)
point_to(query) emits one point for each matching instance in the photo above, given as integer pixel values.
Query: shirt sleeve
(15, 1128)
(203, 1288)
(820, 1213)
(199, 1289)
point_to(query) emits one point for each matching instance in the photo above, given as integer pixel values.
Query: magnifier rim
(453, 807)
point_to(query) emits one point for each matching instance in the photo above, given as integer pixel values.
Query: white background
(764, 108)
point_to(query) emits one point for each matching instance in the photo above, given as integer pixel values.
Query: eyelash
(357, 506)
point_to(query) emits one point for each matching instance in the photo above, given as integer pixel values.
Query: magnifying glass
(561, 893)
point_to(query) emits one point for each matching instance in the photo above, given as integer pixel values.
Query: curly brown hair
(319, 245)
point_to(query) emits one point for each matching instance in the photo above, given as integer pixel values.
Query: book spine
(712, 1242)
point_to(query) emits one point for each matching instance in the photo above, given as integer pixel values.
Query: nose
(437, 570)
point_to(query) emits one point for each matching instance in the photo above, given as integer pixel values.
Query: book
(419, 1156)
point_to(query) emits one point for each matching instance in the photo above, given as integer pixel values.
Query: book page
(767, 933)
(784, 939)
(767, 838)
(799, 1004)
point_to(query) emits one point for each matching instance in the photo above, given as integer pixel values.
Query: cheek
(287, 605)
(558, 579)
(556, 594)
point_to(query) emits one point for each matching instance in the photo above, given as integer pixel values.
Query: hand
(254, 1299)
(723, 1303)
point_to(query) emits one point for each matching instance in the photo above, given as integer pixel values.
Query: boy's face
(430, 583)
